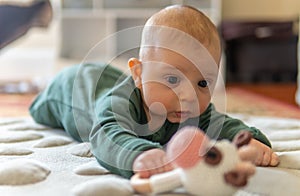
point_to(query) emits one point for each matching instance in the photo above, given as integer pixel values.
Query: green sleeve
(221, 126)
(114, 139)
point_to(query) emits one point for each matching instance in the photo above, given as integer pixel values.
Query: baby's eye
(172, 79)
(203, 83)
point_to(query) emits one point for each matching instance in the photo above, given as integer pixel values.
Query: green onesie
(98, 103)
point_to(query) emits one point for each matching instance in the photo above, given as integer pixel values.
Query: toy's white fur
(209, 179)
(218, 171)
(203, 178)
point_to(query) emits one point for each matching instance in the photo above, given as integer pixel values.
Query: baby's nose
(187, 93)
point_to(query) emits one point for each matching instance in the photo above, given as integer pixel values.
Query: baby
(129, 119)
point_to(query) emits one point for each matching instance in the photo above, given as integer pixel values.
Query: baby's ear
(136, 70)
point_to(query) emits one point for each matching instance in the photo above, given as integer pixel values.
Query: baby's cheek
(203, 103)
(158, 108)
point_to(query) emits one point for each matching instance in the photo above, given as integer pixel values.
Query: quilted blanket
(38, 160)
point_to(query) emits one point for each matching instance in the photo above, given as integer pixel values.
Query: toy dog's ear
(245, 151)
(242, 138)
(187, 147)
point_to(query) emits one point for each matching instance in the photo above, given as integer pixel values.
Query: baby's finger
(144, 174)
(266, 158)
(259, 159)
(155, 166)
(142, 170)
(274, 159)
(167, 165)
(158, 166)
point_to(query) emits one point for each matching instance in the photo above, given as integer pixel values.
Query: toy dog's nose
(239, 176)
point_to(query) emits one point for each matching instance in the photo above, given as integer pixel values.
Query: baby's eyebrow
(169, 67)
(209, 72)
(209, 75)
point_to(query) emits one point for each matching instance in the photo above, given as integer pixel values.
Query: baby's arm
(151, 162)
(265, 155)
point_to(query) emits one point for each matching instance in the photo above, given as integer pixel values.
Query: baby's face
(173, 87)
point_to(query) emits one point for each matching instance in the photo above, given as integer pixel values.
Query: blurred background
(259, 37)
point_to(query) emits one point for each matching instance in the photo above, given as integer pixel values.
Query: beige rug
(37, 160)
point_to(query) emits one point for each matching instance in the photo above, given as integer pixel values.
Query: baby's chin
(182, 119)
(177, 120)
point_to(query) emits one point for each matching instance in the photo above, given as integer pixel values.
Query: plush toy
(202, 166)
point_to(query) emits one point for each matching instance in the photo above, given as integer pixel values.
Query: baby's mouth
(182, 114)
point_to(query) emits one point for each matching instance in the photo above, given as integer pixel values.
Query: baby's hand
(151, 162)
(265, 155)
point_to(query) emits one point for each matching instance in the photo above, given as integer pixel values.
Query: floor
(284, 92)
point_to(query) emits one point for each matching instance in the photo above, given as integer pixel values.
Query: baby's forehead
(169, 60)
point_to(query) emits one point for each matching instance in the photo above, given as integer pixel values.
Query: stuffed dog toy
(202, 166)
